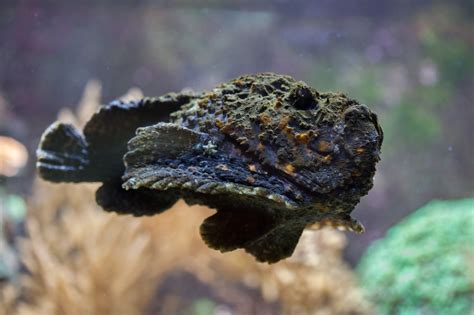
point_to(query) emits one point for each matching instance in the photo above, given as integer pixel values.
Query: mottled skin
(270, 154)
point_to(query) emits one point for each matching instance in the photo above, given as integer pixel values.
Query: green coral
(424, 264)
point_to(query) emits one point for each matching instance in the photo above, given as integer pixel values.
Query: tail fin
(62, 154)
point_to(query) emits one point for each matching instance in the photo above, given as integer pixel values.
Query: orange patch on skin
(313, 226)
(322, 224)
(242, 140)
(360, 150)
(222, 167)
(238, 83)
(322, 208)
(302, 138)
(289, 169)
(289, 132)
(212, 95)
(277, 103)
(327, 158)
(283, 126)
(203, 103)
(324, 146)
(250, 180)
(252, 168)
(209, 123)
(265, 119)
(226, 128)
(283, 122)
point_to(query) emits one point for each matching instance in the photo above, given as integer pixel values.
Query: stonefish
(270, 154)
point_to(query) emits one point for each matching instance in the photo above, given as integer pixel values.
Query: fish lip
(361, 110)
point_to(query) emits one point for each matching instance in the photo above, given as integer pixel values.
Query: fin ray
(62, 154)
(230, 229)
(277, 244)
(163, 140)
(112, 197)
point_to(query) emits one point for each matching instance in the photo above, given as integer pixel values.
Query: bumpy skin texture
(269, 153)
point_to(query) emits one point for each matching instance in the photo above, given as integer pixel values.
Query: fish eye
(303, 99)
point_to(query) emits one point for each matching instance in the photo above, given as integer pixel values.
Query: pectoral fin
(163, 140)
(232, 229)
(277, 244)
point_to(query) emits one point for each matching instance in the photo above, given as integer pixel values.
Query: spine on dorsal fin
(62, 155)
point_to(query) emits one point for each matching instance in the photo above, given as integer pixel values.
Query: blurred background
(411, 62)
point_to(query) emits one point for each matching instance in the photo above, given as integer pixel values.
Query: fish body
(271, 154)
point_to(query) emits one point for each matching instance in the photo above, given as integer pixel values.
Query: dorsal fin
(116, 122)
(109, 130)
(65, 154)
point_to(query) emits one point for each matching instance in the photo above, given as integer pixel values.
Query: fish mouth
(356, 111)
(355, 114)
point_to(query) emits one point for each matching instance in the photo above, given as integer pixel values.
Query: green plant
(424, 264)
